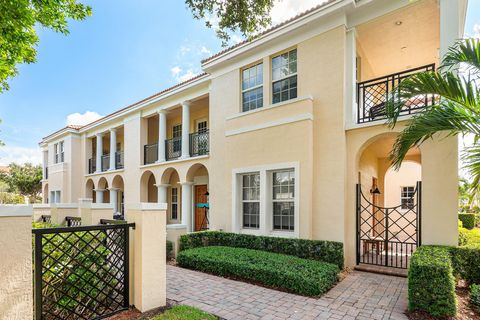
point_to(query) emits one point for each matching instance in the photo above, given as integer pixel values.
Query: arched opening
(102, 193)
(197, 174)
(119, 198)
(170, 192)
(387, 212)
(45, 193)
(148, 188)
(90, 190)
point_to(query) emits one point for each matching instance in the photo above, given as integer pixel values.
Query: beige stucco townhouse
(284, 135)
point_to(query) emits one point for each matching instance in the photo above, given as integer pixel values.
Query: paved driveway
(360, 296)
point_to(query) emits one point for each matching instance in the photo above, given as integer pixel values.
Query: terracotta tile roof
(275, 27)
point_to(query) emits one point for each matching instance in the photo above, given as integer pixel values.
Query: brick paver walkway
(360, 296)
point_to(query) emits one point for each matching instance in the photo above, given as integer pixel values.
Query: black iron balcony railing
(173, 148)
(92, 165)
(119, 164)
(199, 143)
(150, 153)
(372, 95)
(105, 162)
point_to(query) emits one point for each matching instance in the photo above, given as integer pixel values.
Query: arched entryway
(117, 196)
(388, 204)
(90, 190)
(169, 191)
(148, 188)
(197, 176)
(102, 194)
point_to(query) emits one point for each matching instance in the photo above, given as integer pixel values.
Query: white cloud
(81, 119)
(476, 30)
(19, 155)
(187, 60)
(285, 9)
(175, 71)
(204, 50)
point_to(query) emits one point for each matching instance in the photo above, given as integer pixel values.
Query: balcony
(119, 160)
(92, 165)
(372, 95)
(105, 162)
(199, 145)
(105, 165)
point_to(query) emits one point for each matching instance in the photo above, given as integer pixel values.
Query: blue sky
(126, 51)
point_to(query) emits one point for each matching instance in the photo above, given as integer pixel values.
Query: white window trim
(252, 88)
(266, 204)
(242, 201)
(273, 81)
(172, 203)
(406, 198)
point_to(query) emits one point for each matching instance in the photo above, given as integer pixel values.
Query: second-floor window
(59, 152)
(284, 76)
(252, 88)
(177, 135)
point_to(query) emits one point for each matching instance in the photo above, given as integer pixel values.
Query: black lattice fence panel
(81, 272)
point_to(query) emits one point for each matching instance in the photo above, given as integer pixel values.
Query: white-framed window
(202, 126)
(252, 87)
(55, 196)
(174, 204)
(177, 137)
(284, 76)
(251, 200)
(283, 198)
(59, 152)
(406, 197)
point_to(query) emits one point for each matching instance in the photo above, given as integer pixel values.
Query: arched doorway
(197, 174)
(118, 196)
(388, 205)
(148, 188)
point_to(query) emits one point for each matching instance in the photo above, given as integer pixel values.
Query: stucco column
(147, 257)
(162, 192)
(99, 195)
(113, 148)
(187, 205)
(99, 152)
(114, 199)
(45, 164)
(162, 135)
(185, 130)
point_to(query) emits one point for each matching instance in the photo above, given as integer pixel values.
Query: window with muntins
(252, 88)
(406, 197)
(284, 76)
(177, 135)
(174, 202)
(251, 200)
(59, 152)
(283, 193)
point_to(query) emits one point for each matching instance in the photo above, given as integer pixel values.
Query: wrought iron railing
(81, 272)
(73, 221)
(372, 95)
(199, 143)
(105, 162)
(150, 153)
(119, 163)
(92, 165)
(173, 148)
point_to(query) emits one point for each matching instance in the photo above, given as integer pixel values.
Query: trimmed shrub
(169, 249)
(460, 223)
(302, 276)
(431, 285)
(326, 251)
(462, 236)
(468, 220)
(475, 295)
(466, 262)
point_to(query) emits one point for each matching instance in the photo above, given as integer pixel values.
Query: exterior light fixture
(375, 191)
(206, 194)
(398, 23)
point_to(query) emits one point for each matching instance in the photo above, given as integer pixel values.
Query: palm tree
(456, 107)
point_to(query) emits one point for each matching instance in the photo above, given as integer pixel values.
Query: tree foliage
(24, 179)
(455, 86)
(227, 16)
(18, 36)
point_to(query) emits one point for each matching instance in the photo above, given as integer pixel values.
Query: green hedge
(302, 276)
(431, 284)
(326, 251)
(475, 295)
(466, 263)
(468, 220)
(169, 249)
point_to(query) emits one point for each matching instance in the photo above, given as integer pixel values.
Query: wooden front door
(200, 210)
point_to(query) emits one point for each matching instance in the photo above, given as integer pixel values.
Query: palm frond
(471, 159)
(465, 51)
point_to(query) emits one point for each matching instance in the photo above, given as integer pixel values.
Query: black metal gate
(81, 272)
(388, 236)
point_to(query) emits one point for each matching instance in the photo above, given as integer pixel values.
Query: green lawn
(184, 313)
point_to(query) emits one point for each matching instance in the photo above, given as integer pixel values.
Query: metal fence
(150, 153)
(199, 143)
(81, 272)
(173, 148)
(373, 94)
